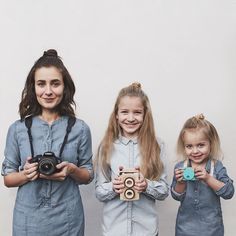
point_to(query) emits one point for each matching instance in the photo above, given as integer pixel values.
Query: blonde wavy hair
(151, 166)
(199, 123)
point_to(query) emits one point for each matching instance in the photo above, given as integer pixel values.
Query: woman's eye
(56, 83)
(188, 146)
(40, 84)
(201, 145)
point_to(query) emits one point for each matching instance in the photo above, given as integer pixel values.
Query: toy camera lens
(129, 193)
(129, 182)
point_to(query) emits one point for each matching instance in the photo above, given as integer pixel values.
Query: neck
(49, 117)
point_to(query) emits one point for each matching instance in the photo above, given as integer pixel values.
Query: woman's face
(49, 87)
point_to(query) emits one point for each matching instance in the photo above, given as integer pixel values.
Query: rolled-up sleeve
(85, 151)
(103, 187)
(11, 161)
(159, 189)
(227, 191)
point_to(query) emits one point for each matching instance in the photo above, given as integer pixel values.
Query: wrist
(71, 168)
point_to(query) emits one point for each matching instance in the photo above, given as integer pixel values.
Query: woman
(48, 200)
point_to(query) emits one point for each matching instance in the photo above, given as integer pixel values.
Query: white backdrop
(182, 52)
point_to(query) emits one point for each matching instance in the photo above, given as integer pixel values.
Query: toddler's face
(197, 146)
(130, 116)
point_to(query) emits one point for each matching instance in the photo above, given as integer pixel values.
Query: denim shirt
(126, 218)
(200, 208)
(55, 206)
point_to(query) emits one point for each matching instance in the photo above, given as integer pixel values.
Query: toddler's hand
(179, 175)
(201, 173)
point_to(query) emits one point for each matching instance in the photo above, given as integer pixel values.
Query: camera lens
(129, 182)
(47, 166)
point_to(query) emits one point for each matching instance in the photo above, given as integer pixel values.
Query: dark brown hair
(29, 104)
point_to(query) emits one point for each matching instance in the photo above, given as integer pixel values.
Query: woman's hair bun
(50, 53)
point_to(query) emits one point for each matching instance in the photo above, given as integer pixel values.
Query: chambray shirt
(129, 218)
(200, 209)
(47, 207)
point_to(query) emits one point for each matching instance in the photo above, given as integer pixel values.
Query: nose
(130, 117)
(48, 90)
(195, 150)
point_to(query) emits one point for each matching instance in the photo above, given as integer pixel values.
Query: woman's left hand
(64, 169)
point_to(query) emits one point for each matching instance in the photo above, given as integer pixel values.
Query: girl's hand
(30, 170)
(118, 184)
(201, 173)
(179, 175)
(65, 168)
(141, 184)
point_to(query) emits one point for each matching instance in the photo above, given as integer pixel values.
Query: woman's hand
(64, 169)
(30, 170)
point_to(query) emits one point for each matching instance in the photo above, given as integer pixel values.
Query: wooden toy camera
(129, 176)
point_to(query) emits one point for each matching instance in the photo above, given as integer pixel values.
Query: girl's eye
(188, 146)
(201, 145)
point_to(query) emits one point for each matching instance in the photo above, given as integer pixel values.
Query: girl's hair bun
(136, 85)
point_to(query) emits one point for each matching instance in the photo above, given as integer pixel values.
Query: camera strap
(28, 124)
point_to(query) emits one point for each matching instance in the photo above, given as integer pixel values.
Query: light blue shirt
(200, 209)
(46, 207)
(130, 218)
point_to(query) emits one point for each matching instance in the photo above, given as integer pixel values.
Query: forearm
(15, 179)
(214, 183)
(180, 187)
(80, 175)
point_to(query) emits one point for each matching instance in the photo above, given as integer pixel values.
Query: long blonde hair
(151, 165)
(199, 122)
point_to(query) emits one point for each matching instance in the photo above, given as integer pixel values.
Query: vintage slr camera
(129, 176)
(46, 163)
(188, 174)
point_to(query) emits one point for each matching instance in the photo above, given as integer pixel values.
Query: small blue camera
(188, 174)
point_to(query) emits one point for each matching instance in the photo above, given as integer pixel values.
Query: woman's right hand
(30, 170)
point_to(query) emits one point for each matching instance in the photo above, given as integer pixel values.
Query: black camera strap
(28, 124)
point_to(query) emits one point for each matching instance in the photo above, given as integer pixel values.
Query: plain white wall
(182, 52)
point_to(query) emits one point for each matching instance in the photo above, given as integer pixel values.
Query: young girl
(199, 189)
(130, 142)
(48, 154)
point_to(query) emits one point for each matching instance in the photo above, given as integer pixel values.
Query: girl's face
(130, 116)
(197, 146)
(49, 87)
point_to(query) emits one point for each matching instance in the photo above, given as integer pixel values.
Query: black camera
(46, 163)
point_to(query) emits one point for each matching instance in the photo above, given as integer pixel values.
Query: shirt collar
(126, 141)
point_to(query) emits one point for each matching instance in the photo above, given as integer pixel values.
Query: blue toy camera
(188, 174)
